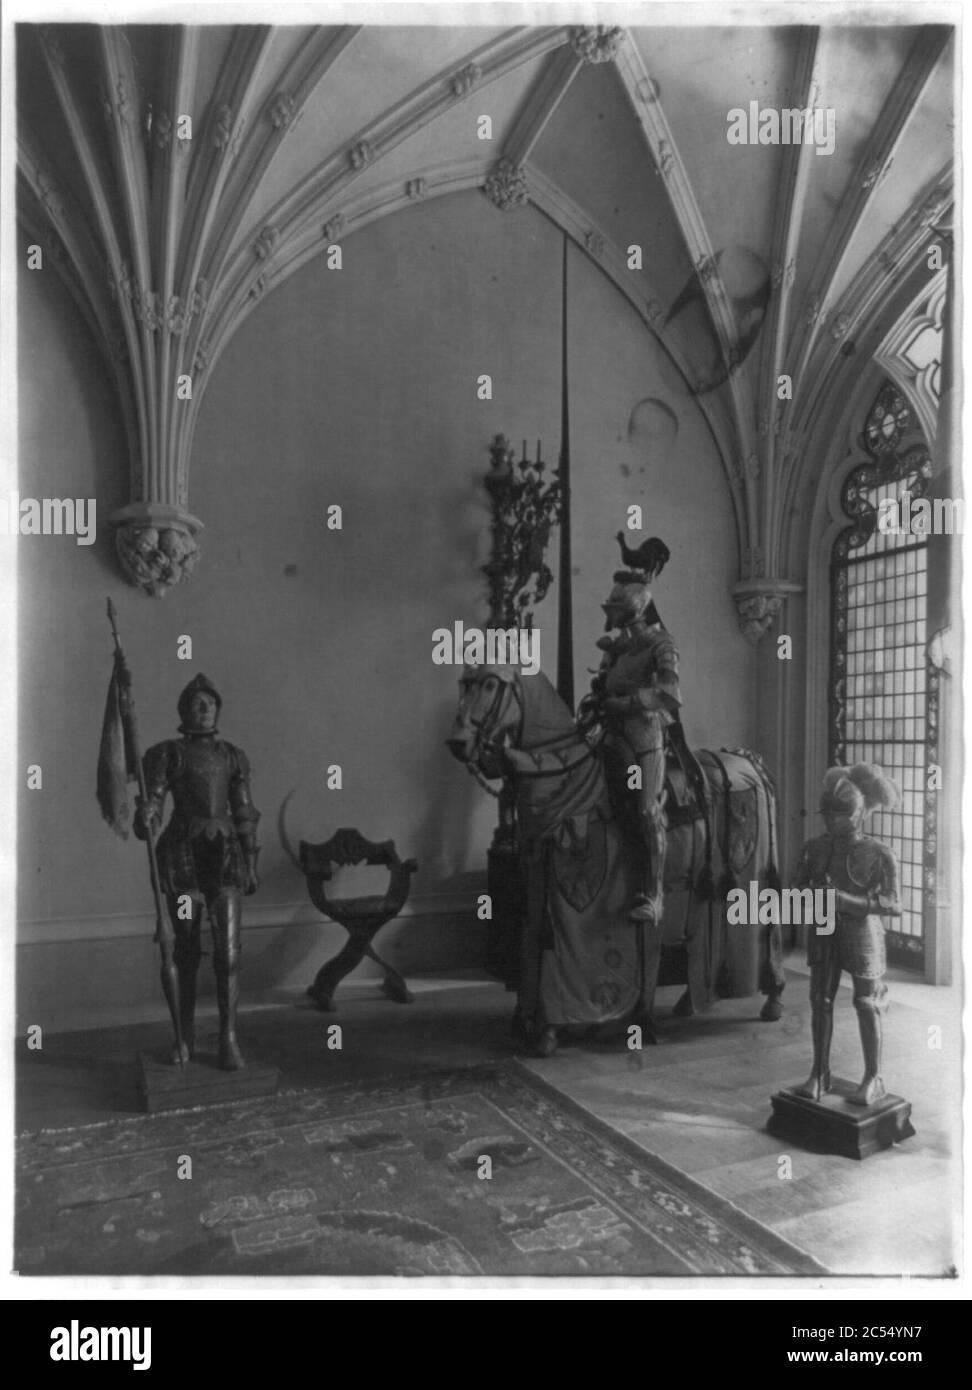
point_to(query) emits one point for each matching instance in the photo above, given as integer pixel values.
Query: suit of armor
(864, 873)
(206, 855)
(637, 694)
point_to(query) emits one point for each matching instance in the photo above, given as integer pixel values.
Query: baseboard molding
(120, 926)
(113, 967)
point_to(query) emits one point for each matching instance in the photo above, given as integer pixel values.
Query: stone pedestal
(162, 1086)
(832, 1125)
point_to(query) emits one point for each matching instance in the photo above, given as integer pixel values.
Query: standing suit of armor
(206, 855)
(864, 873)
(637, 695)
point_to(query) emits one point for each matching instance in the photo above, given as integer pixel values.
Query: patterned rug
(482, 1171)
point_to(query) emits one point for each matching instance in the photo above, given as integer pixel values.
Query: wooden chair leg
(333, 972)
(393, 985)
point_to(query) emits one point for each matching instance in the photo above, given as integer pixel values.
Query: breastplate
(851, 868)
(201, 785)
(628, 669)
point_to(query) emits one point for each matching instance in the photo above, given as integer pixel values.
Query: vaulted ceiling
(759, 260)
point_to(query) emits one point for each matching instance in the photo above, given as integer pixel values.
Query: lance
(164, 935)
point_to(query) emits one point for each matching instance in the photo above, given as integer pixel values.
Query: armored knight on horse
(635, 700)
(606, 884)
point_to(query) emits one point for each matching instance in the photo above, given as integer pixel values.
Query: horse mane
(545, 716)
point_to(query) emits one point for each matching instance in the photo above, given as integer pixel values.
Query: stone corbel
(758, 602)
(156, 545)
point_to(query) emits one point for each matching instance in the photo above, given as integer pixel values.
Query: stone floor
(699, 1099)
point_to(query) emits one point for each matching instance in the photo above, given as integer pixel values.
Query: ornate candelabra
(525, 510)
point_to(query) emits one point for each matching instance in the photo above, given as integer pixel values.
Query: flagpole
(565, 603)
(164, 935)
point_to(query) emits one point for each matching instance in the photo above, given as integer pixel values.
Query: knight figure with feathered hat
(864, 873)
(635, 701)
(207, 854)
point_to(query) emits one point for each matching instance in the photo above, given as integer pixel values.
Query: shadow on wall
(448, 837)
(745, 280)
(444, 841)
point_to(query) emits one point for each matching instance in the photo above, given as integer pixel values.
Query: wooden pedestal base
(832, 1125)
(163, 1086)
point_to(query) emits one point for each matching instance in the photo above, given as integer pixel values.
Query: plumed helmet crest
(877, 788)
(865, 784)
(648, 560)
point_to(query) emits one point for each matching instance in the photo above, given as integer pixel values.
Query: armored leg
(649, 903)
(187, 954)
(227, 943)
(870, 1001)
(824, 979)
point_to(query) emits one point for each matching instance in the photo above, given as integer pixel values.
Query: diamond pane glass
(879, 672)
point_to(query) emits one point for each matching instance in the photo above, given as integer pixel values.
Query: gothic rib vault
(300, 136)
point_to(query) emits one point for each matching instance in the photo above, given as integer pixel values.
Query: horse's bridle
(486, 726)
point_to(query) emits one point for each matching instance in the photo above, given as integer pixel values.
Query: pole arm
(163, 928)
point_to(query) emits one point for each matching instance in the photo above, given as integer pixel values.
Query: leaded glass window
(883, 689)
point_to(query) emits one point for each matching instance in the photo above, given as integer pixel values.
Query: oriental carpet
(476, 1171)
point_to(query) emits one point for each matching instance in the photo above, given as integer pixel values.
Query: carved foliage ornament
(784, 274)
(116, 104)
(464, 81)
(160, 127)
(596, 45)
(282, 110)
(175, 316)
(265, 242)
(814, 309)
(934, 209)
(333, 228)
(756, 614)
(147, 308)
(506, 184)
(155, 558)
(594, 243)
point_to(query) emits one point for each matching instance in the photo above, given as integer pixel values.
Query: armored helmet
(864, 786)
(197, 684)
(840, 797)
(632, 586)
(631, 594)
